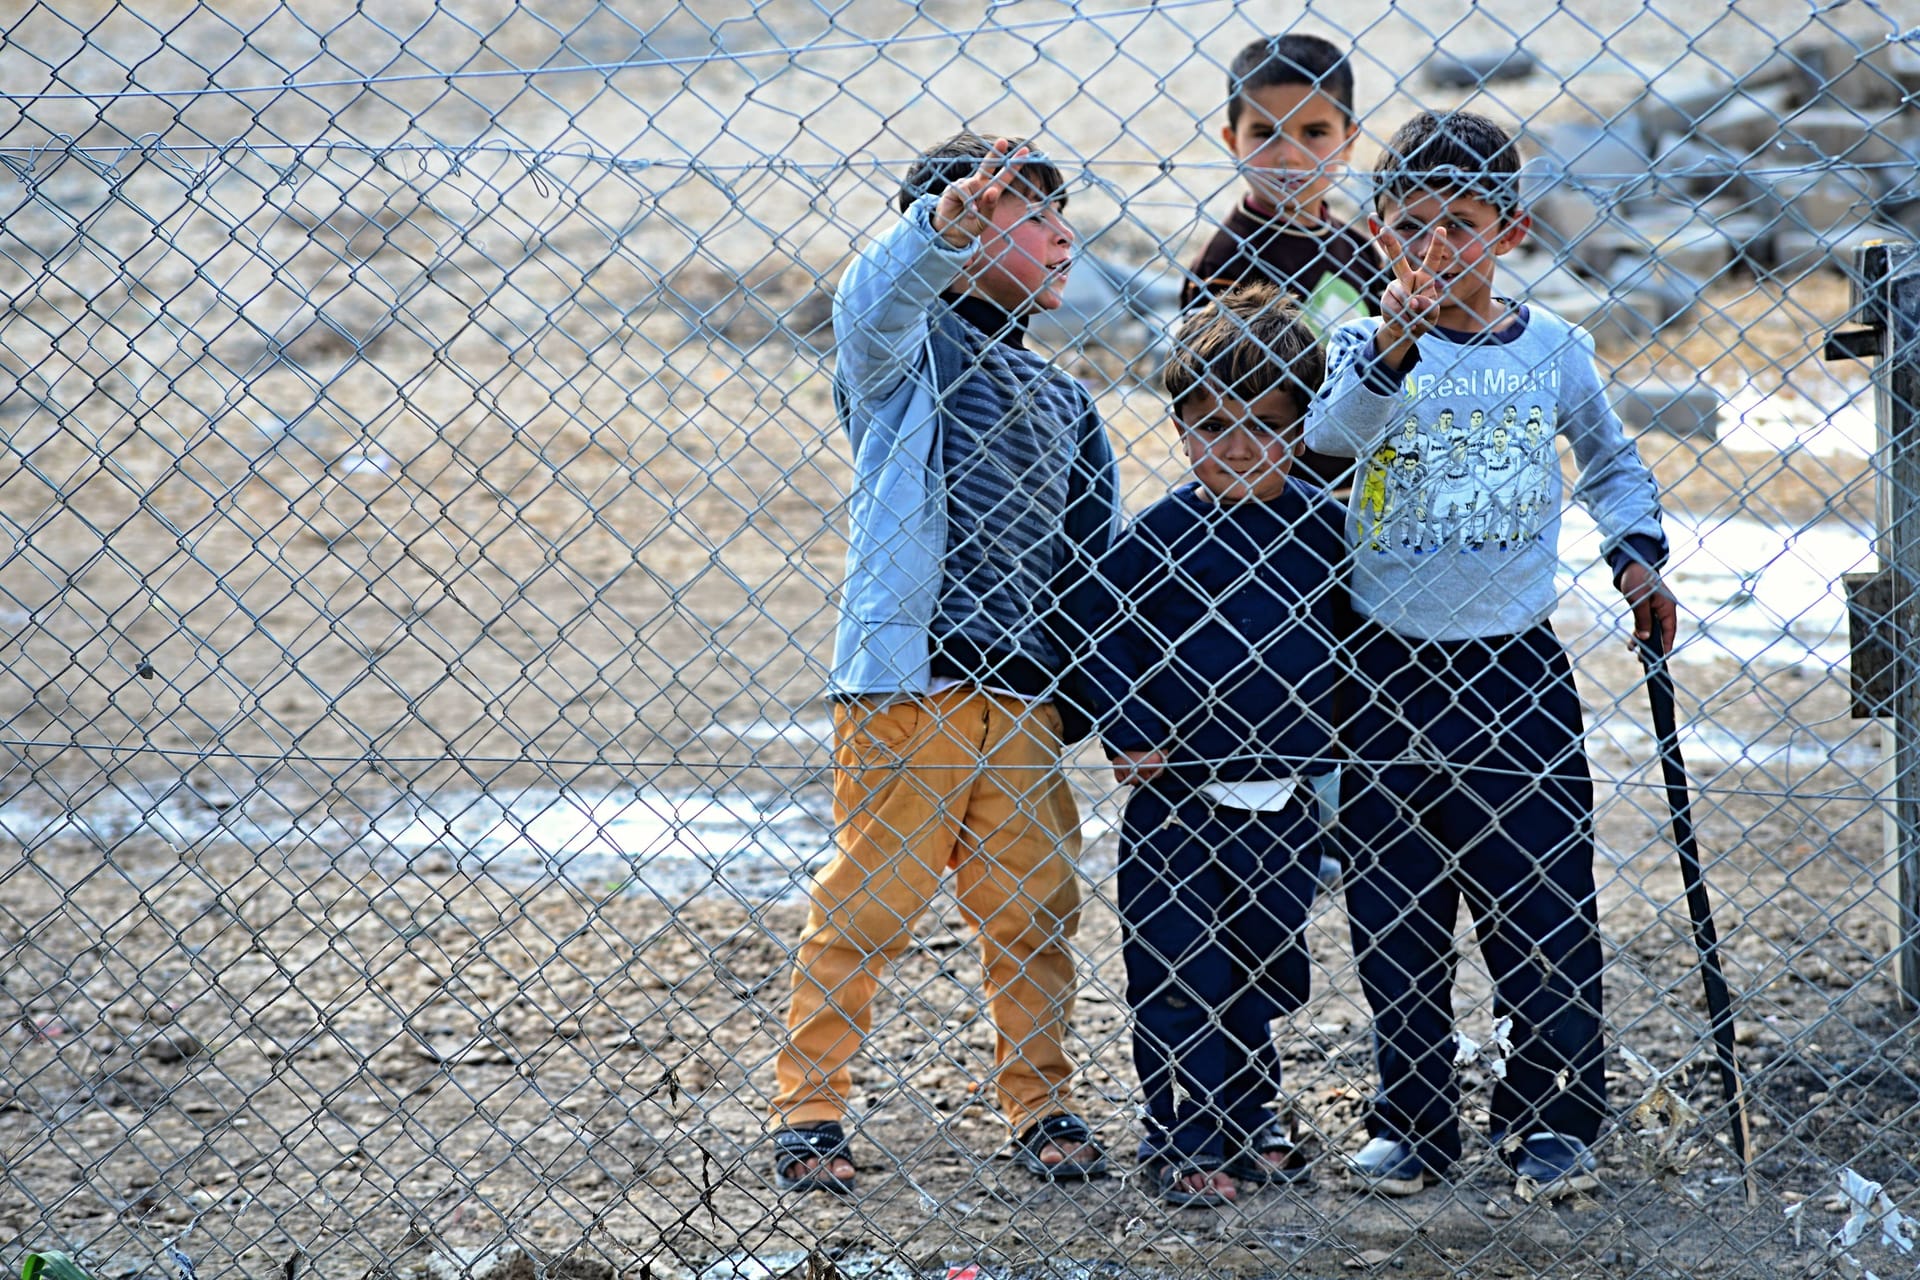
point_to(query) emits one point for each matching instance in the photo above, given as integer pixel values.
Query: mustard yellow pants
(964, 781)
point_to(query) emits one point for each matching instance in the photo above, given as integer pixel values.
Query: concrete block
(1747, 230)
(1696, 169)
(1609, 159)
(1815, 201)
(1840, 133)
(1902, 62)
(1584, 303)
(1905, 219)
(1565, 223)
(1688, 410)
(1847, 73)
(1676, 104)
(1657, 290)
(1523, 275)
(1797, 250)
(1469, 71)
(1698, 249)
(1748, 123)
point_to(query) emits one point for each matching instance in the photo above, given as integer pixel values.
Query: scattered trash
(1661, 1121)
(1873, 1207)
(1493, 1055)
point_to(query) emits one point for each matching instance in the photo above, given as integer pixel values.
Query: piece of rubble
(1748, 124)
(1816, 200)
(1470, 71)
(1676, 106)
(1796, 251)
(1696, 168)
(1846, 74)
(1686, 410)
(1656, 290)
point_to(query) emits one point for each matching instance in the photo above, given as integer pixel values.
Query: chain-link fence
(427, 509)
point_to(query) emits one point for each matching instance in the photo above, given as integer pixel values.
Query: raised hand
(1408, 308)
(966, 207)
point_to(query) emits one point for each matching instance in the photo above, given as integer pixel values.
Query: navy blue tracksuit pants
(1213, 902)
(1468, 778)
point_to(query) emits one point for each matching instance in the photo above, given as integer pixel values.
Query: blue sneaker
(1388, 1166)
(1551, 1165)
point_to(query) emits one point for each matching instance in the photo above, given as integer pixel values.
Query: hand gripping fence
(474, 477)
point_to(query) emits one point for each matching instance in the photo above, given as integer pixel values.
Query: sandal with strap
(823, 1143)
(1169, 1185)
(1063, 1130)
(1272, 1154)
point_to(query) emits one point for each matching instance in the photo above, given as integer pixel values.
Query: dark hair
(1451, 151)
(945, 163)
(1289, 60)
(1245, 342)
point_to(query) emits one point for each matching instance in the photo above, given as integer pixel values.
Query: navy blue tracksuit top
(1218, 634)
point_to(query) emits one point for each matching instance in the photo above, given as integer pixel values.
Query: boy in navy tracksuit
(1213, 683)
(1466, 775)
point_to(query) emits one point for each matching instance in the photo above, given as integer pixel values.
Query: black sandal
(823, 1143)
(1062, 1130)
(1272, 1154)
(1168, 1175)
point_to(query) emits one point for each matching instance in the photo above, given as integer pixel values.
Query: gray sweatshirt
(1455, 514)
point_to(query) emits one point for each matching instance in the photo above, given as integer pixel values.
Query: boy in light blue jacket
(984, 486)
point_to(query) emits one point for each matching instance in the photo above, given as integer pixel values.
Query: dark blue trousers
(1468, 778)
(1213, 902)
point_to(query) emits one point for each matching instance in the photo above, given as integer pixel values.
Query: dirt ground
(343, 491)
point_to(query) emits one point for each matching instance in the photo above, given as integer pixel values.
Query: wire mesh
(428, 513)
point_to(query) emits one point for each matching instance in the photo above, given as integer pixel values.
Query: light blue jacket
(892, 363)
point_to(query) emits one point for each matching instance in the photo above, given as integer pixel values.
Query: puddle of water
(1749, 591)
(665, 845)
(1827, 418)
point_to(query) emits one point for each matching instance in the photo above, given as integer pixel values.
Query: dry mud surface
(349, 498)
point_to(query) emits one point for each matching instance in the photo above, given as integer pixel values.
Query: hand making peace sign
(966, 207)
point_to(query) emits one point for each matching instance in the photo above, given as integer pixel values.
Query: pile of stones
(1773, 171)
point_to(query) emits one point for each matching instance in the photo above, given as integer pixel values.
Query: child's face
(1456, 239)
(1022, 259)
(1292, 141)
(1240, 450)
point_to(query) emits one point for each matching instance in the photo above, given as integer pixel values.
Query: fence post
(1886, 298)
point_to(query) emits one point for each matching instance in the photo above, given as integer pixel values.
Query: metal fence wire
(427, 519)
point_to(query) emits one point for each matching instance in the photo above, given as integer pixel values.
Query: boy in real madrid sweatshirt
(1467, 776)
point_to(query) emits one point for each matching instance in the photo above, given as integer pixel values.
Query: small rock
(1469, 71)
(512, 1262)
(172, 1044)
